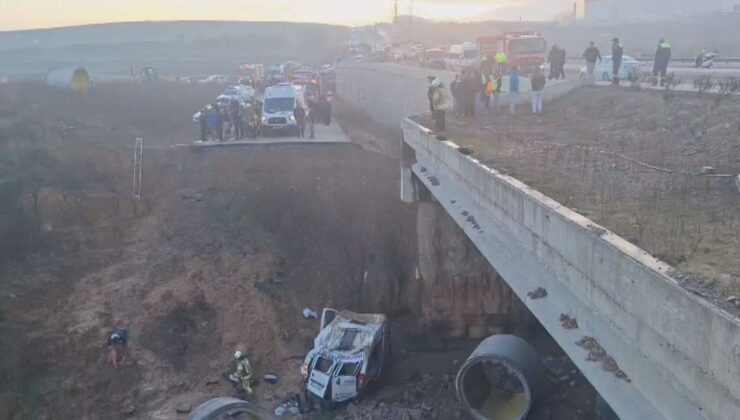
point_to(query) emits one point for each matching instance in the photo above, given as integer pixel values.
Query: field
(637, 163)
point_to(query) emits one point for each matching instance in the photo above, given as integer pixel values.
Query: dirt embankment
(632, 161)
(224, 251)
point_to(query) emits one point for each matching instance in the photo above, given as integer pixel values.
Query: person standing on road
(235, 114)
(430, 93)
(469, 90)
(300, 118)
(662, 58)
(538, 87)
(439, 99)
(244, 372)
(592, 55)
(455, 90)
(562, 57)
(312, 117)
(203, 121)
(498, 84)
(552, 58)
(617, 54)
(513, 90)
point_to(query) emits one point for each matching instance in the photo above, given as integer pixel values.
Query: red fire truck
(310, 80)
(525, 50)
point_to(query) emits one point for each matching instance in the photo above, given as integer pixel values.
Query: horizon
(47, 15)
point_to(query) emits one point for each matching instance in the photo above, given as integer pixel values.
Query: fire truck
(526, 50)
(311, 81)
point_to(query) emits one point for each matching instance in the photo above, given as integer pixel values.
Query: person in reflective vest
(244, 371)
(501, 60)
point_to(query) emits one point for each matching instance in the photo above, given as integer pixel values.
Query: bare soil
(632, 161)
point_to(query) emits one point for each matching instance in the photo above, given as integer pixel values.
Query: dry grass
(630, 160)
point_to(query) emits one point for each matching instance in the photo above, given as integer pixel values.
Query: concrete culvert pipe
(75, 78)
(501, 379)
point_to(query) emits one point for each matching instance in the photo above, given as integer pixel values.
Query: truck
(277, 108)
(462, 56)
(525, 50)
(348, 354)
(311, 82)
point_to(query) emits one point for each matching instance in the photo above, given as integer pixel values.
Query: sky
(31, 14)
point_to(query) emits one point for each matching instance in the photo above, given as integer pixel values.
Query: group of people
(226, 119)
(592, 55)
(480, 85)
(318, 111)
(556, 58)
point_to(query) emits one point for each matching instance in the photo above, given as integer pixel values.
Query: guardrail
(683, 61)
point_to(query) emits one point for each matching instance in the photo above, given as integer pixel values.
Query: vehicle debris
(349, 353)
(596, 353)
(567, 322)
(537, 293)
(309, 314)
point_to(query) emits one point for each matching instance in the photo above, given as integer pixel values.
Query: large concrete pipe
(229, 408)
(75, 78)
(501, 379)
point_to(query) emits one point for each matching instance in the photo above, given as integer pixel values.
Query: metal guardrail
(683, 61)
(689, 61)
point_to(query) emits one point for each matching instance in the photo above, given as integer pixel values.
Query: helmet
(238, 354)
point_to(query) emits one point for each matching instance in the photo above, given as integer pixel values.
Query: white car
(241, 93)
(215, 79)
(603, 70)
(349, 353)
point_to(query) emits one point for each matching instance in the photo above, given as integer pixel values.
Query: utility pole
(411, 20)
(395, 12)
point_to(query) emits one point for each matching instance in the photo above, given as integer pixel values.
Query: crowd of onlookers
(483, 85)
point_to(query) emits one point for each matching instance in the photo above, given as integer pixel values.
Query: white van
(462, 56)
(277, 108)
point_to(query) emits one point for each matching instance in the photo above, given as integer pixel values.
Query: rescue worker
(501, 60)
(213, 120)
(591, 55)
(244, 371)
(117, 342)
(617, 54)
(662, 58)
(439, 100)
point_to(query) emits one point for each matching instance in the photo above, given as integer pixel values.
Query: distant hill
(176, 48)
(181, 31)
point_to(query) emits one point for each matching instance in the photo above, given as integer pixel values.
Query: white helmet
(238, 355)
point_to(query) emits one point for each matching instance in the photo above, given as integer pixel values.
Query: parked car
(241, 93)
(603, 71)
(218, 79)
(348, 354)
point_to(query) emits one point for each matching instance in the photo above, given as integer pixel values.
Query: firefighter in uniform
(244, 371)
